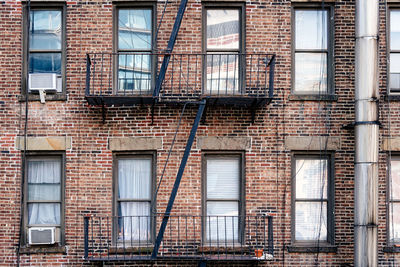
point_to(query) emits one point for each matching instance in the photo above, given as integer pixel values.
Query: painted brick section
(89, 161)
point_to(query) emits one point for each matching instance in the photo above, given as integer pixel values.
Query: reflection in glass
(134, 29)
(311, 72)
(222, 29)
(311, 178)
(221, 228)
(311, 221)
(45, 29)
(222, 74)
(311, 29)
(394, 30)
(395, 71)
(134, 72)
(45, 63)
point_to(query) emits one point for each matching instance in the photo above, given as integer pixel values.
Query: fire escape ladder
(170, 48)
(178, 179)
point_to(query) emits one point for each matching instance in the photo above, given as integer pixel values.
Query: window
(394, 48)
(223, 198)
(134, 44)
(133, 198)
(394, 201)
(312, 199)
(46, 49)
(44, 193)
(312, 51)
(223, 43)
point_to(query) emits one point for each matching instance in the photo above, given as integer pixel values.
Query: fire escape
(242, 80)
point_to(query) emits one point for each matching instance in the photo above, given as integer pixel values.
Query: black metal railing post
(271, 77)
(270, 236)
(86, 236)
(88, 64)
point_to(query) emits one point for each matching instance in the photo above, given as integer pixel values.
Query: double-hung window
(44, 182)
(394, 48)
(223, 198)
(312, 199)
(133, 198)
(394, 201)
(312, 51)
(46, 49)
(134, 43)
(223, 44)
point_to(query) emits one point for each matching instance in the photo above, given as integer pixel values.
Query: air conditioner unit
(41, 235)
(48, 82)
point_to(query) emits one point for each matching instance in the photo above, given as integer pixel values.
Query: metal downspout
(366, 134)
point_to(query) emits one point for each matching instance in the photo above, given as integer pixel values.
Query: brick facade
(267, 158)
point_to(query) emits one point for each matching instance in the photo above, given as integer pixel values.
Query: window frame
(25, 31)
(242, 197)
(153, 202)
(329, 156)
(330, 90)
(45, 155)
(242, 43)
(389, 200)
(154, 58)
(389, 50)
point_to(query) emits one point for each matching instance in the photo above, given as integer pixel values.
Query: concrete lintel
(134, 143)
(312, 1)
(391, 144)
(49, 143)
(223, 143)
(312, 143)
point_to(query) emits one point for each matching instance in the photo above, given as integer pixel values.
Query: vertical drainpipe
(366, 135)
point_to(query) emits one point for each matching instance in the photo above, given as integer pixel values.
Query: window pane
(44, 192)
(134, 29)
(134, 222)
(134, 179)
(394, 30)
(223, 178)
(45, 63)
(222, 221)
(311, 29)
(222, 74)
(311, 178)
(395, 182)
(44, 171)
(134, 72)
(311, 72)
(394, 222)
(45, 29)
(311, 222)
(222, 29)
(44, 213)
(395, 70)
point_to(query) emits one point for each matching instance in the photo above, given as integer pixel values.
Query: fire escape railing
(187, 237)
(189, 76)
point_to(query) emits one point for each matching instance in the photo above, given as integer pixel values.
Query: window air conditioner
(48, 82)
(41, 235)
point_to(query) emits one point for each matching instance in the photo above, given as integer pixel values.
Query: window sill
(392, 249)
(297, 97)
(49, 97)
(226, 249)
(392, 97)
(323, 248)
(43, 249)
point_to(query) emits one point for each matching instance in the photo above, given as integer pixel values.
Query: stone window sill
(43, 249)
(49, 97)
(392, 249)
(297, 97)
(323, 248)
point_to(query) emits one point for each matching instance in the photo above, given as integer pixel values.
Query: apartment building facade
(231, 144)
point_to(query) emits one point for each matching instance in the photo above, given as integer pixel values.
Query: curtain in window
(134, 193)
(44, 184)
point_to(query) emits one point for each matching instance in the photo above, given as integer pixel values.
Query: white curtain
(44, 182)
(134, 183)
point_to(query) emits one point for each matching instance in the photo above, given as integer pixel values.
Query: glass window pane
(395, 182)
(134, 29)
(45, 63)
(394, 222)
(222, 74)
(311, 178)
(134, 72)
(311, 72)
(134, 221)
(222, 29)
(311, 221)
(223, 178)
(311, 29)
(222, 221)
(395, 70)
(45, 29)
(44, 213)
(394, 30)
(134, 179)
(44, 192)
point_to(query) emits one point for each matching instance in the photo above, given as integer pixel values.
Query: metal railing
(186, 237)
(189, 76)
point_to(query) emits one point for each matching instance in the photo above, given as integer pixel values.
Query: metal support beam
(178, 180)
(170, 47)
